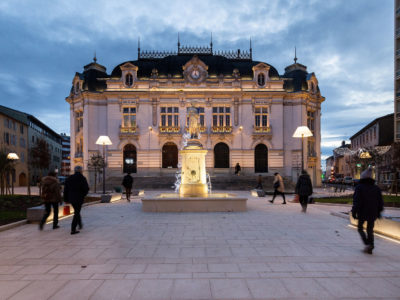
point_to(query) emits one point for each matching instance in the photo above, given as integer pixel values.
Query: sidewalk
(271, 251)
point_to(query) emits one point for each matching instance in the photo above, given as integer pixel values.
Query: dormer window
(261, 79)
(128, 79)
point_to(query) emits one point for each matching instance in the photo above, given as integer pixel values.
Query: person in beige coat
(279, 188)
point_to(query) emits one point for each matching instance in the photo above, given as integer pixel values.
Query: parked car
(348, 180)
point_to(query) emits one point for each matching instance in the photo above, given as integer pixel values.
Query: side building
(373, 143)
(14, 139)
(248, 113)
(65, 155)
(35, 131)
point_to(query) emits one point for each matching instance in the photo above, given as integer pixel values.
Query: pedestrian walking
(127, 182)
(75, 190)
(259, 183)
(304, 189)
(237, 169)
(367, 207)
(279, 188)
(51, 195)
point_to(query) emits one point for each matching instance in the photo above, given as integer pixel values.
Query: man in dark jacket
(51, 195)
(75, 190)
(367, 207)
(127, 182)
(304, 189)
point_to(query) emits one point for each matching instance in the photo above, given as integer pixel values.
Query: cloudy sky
(348, 44)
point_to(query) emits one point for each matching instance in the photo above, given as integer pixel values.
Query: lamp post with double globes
(302, 132)
(105, 141)
(12, 157)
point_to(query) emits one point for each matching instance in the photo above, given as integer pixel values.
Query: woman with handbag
(279, 188)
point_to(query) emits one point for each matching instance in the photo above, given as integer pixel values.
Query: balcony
(129, 131)
(169, 129)
(221, 129)
(262, 129)
(203, 129)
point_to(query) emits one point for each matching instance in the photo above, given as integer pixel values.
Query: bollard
(66, 210)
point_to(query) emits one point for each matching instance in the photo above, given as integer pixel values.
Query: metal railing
(221, 129)
(263, 129)
(169, 129)
(130, 129)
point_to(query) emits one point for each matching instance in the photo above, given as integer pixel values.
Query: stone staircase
(218, 182)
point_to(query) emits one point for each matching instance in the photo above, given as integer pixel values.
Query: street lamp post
(13, 157)
(104, 140)
(302, 132)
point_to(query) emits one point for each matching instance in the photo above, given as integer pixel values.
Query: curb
(12, 225)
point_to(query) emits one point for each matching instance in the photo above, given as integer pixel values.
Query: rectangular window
(221, 116)
(129, 117)
(6, 138)
(22, 142)
(311, 120)
(170, 116)
(374, 132)
(79, 120)
(21, 129)
(261, 117)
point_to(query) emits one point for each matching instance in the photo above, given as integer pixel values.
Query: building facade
(65, 155)
(248, 113)
(26, 138)
(372, 144)
(14, 139)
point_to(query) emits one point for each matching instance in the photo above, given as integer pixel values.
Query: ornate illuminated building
(248, 113)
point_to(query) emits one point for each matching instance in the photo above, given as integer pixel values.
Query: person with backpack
(51, 195)
(75, 190)
(304, 189)
(127, 182)
(279, 188)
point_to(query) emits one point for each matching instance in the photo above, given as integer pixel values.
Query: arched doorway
(221, 155)
(130, 162)
(22, 179)
(169, 155)
(261, 159)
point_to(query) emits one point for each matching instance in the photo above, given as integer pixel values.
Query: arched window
(130, 161)
(221, 155)
(261, 159)
(128, 79)
(261, 79)
(169, 155)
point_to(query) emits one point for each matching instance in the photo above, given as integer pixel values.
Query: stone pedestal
(193, 176)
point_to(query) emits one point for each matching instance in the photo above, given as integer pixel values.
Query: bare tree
(96, 163)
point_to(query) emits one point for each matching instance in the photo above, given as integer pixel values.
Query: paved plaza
(272, 251)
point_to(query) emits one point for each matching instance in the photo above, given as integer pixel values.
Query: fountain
(193, 182)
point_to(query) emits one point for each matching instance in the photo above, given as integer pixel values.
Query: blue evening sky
(347, 43)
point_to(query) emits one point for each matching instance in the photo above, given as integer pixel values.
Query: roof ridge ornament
(295, 55)
(95, 58)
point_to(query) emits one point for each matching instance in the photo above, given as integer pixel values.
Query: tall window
(79, 120)
(261, 79)
(21, 129)
(311, 148)
(221, 116)
(128, 79)
(129, 117)
(311, 120)
(261, 116)
(170, 116)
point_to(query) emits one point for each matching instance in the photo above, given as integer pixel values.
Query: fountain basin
(218, 202)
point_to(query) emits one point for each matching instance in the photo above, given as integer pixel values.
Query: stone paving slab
(272, 251)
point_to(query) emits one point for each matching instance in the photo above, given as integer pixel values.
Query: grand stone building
(248, 113)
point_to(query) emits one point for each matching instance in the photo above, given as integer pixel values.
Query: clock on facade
(195, 74)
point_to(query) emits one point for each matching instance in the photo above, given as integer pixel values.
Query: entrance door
(130, 161)
(170, 155)
(22, 179)
(261, 159)
(221, 155)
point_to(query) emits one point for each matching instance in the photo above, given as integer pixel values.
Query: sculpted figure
(194, 125)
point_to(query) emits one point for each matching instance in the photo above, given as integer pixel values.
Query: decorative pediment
(129, 74)
(261, 66)
(129, 67)
(312, 83)
(195, 71)
(261, 74)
